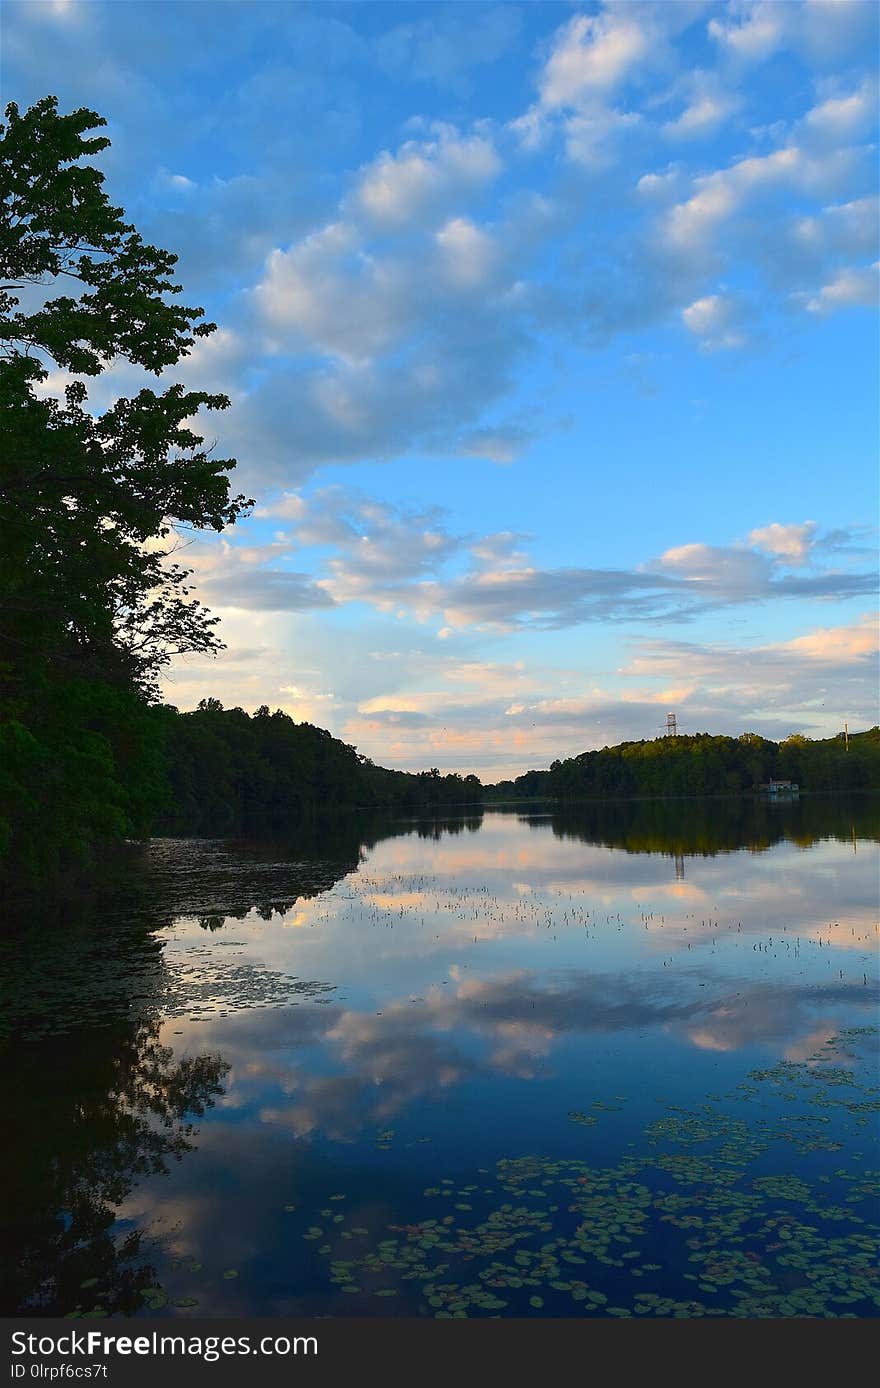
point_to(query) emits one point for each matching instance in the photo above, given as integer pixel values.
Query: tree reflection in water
(90, 1120)
(93, 1101)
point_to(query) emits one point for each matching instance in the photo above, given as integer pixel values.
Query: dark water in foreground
(613, 1062)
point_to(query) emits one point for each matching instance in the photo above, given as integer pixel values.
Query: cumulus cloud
(849, 288)
(429, 395)
(849, 230)
(389, 306)
(844, 116)
(792, 541)
(851, 644)
(713, 319)
(717, 196)
(825, 31)
(753, 32)
(395, 325)
(424, 178)
(590, 58)
(467, 253)
(592, 53)
(234, 576)
(325, 294)
(709, 106)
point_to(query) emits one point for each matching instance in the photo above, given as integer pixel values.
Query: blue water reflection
(441, 998)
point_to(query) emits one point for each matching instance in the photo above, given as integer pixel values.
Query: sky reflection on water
(442, 1000)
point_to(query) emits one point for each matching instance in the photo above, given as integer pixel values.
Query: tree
(91, 606)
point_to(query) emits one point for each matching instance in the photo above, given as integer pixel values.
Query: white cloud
(235, 577)
(736, 572)
(60, 11)
(823, 31)
(849, 288)
(404, 569)
(391, 309)
(793, 542)
(845, 643)
(850, 229)
(753, 32)
(592, 53)
(177, 182)
(814, 681)
(468, 254)
(502, 443)
(717, 196)
(592, 137)
(844, 117)
(590, 58)
(660, 186)
(408, 563)
(290, 506)
(702, 117)
(406, 707)
(710, 105)
(714, 319)
(425, 177)
(329, 294)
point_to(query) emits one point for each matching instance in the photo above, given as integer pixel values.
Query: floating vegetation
(154, 1298)
(201, 981)
(112, 978)
(694, 1226)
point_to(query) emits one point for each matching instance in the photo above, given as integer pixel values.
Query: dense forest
(701, 764)
(229, 773)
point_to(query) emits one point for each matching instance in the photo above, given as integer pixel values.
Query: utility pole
(846, 737)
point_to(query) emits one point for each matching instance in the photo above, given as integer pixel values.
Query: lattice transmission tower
(671, 727)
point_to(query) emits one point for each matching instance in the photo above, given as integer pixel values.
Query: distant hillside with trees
(702, 764)
(230, 773)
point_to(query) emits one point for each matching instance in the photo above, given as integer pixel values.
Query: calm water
(613, 1062)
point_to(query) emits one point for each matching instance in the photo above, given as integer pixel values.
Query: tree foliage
(91, 607)
(231, 773)
(702, 764)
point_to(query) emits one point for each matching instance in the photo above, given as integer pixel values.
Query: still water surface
(616, 1061)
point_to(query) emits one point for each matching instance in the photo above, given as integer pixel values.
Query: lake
(614, 1060)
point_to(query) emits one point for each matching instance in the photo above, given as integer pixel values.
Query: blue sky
(550, 332)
